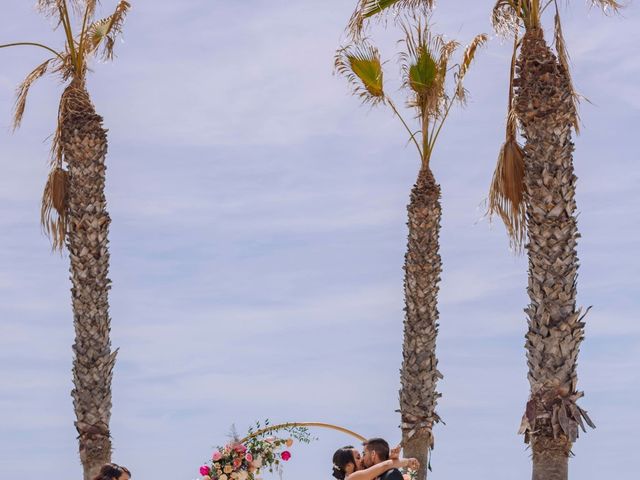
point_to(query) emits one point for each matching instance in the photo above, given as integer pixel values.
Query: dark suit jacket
(393, 474)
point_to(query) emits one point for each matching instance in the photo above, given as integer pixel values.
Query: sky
(258, 237)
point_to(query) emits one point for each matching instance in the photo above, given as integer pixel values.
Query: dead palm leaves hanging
(53, 212)
(506, 195)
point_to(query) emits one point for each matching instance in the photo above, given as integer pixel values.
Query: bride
(347, 464)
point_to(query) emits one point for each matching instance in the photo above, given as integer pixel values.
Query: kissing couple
(376, 461)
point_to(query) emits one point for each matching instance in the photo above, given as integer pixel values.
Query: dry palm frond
(506, 194)
(23, 91)
(59, 9)
(467, 59)
(105, 31)
(90, 8)
(53, 213)
(65, 67)
(506, 16)
(360, 64)
(607, 6)
(563, 58)
(56, 142)
(53, 7)
(470, 53)
(507, 190)
(108, 29)
(368, 9)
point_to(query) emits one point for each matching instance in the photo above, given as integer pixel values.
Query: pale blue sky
(258, 237)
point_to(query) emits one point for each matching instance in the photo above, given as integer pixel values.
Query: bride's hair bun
(342, 458)
(337, 473)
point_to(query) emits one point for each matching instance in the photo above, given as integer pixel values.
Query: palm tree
(426, 66)
(533, 191)
(74, 211)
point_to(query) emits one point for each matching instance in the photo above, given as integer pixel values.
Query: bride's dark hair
(111, 471)
(342, 458)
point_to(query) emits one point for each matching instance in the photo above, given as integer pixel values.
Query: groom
(376, 450)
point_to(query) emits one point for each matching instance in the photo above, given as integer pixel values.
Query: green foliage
(423, 73)
(361, 66)
(369, 71)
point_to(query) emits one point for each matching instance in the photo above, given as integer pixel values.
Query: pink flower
(216, 456)
(285, 455)
(236, 463)
(248, 457)
(240, 448)
(205, 470)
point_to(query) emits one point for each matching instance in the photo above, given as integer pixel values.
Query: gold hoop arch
(280, 426)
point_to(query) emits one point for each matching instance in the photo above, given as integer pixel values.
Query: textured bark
(544, 106)
(84, 144)
(419, 374)
(550, 458)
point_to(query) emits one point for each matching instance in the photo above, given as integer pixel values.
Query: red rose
(285, 455)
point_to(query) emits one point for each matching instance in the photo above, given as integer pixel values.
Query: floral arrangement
(409, 474)
(261, 450)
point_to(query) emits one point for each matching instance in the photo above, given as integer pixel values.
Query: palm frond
(467, 59)
(608, 6)
(447, 49)
(53, 212)
(54, 8)
(368, 9)
(423, 73)
(90, 8)
(470, 53)
(505, 17)
(360, 64)
(424, 66)
(508, 14)
(23, 90)
(506, 195)
(563, 58)
(106, 30)
(50, 7)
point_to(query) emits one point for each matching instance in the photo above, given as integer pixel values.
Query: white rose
(243, 475)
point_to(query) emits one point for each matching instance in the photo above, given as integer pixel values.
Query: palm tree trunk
(84, 144)
(550, 458)
(544, 106)
(419, 374)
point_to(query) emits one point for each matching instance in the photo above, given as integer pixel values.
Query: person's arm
(375, 471)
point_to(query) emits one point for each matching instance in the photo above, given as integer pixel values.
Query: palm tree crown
(71, 63)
